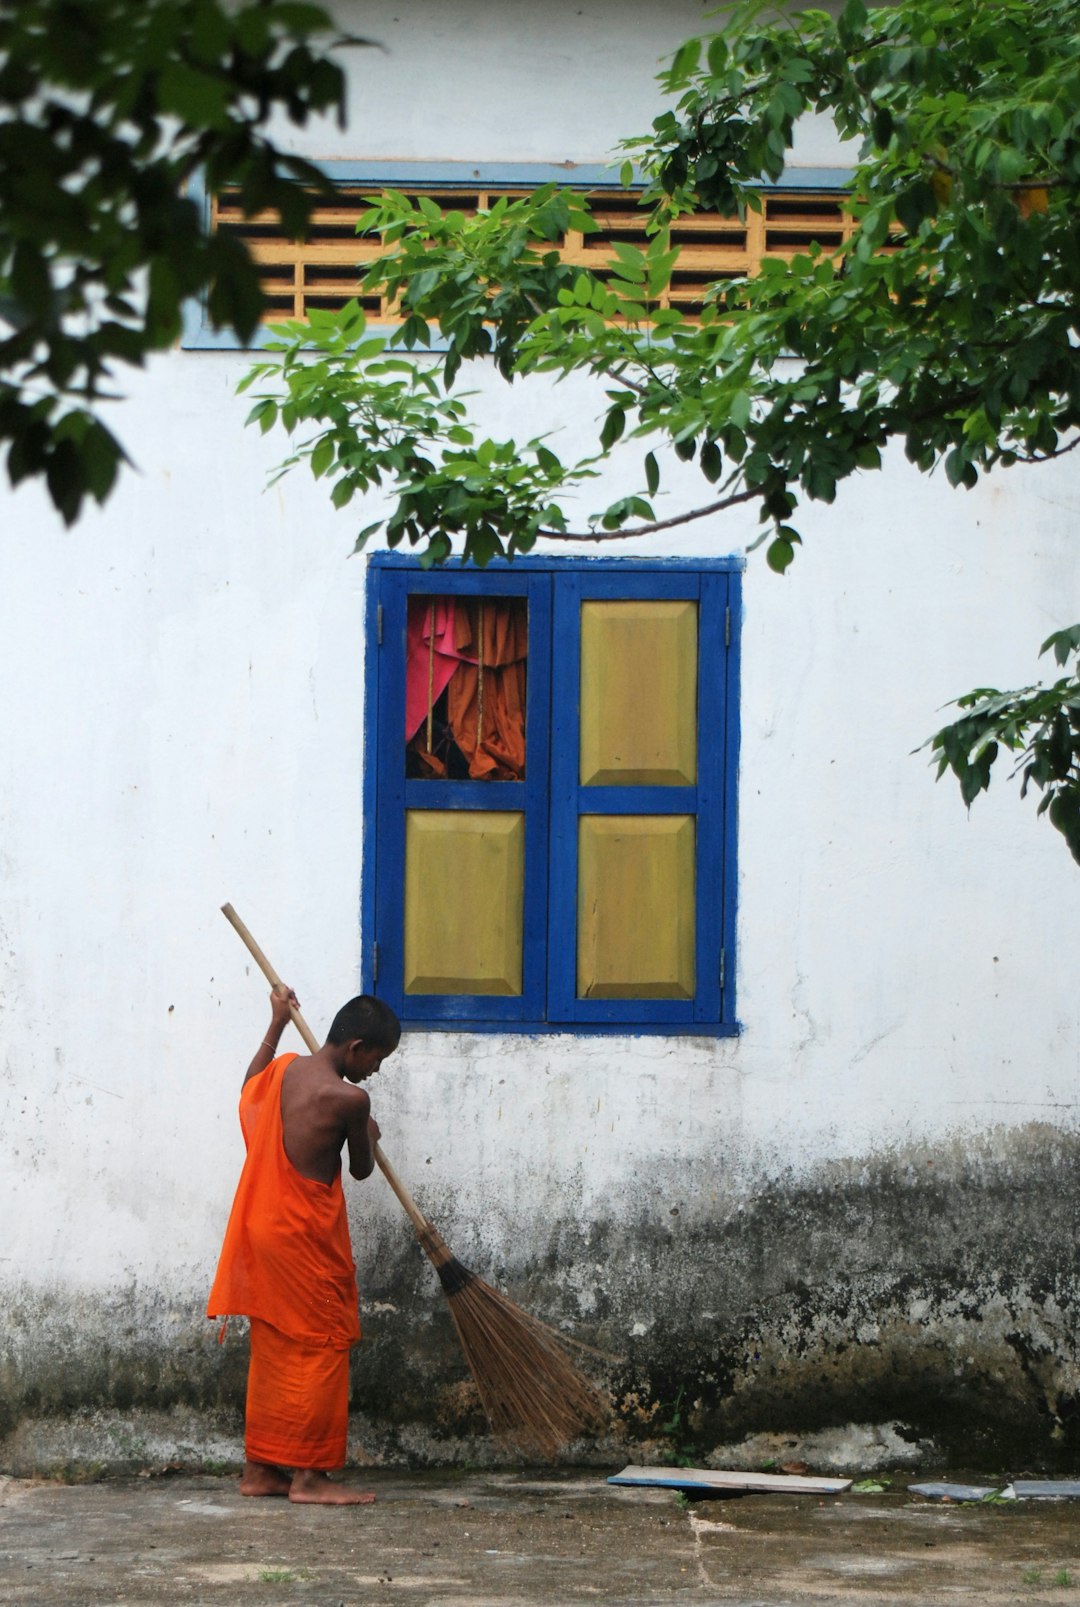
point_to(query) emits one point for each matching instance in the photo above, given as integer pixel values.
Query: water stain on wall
(933, 1290)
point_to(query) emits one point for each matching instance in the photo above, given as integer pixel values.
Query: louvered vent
(321, 271)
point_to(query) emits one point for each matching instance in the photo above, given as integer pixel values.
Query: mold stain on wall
(935, 1289)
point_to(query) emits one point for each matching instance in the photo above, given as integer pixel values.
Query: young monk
(287, 1262)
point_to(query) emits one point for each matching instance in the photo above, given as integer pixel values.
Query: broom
(531, 1392)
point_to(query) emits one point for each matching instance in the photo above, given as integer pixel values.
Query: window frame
(551, 796)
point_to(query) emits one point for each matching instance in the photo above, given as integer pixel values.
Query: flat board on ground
(1046, 1489)
(954, 1492)
(710, 1479)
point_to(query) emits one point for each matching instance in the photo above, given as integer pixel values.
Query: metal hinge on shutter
(378, 623)
(727, 627)
(374, 964)
(723, 969)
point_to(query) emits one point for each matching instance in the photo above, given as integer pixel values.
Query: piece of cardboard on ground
(705, 1479)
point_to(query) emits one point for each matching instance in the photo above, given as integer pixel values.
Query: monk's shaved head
(367, 1018)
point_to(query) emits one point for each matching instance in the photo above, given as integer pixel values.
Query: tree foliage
(107, 109)
(948, 322)
(1038, 727)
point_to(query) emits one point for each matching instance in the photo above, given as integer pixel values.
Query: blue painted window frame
(551, 796)
(396, 795)
(705, 801)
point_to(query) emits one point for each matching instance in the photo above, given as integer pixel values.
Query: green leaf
(322, 456)
(712, 462)
(855, 16)
(614, 425)
(739, 409)
(915, 204)
(1064, 643)
(100, 454)
(779, 553)
(365, 535)
(955, 464)
(717, 55)
(874, 226)
(66, 481)
(302, 19)
(686, 60)
(652, 473)
(631, 261)
(194, 96)
(640, 509)
(209, 33)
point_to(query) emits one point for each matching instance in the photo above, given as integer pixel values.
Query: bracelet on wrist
(266, 1044)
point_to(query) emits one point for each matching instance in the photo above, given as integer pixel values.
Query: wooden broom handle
(412, 1210)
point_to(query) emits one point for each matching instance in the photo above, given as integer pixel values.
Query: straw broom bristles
(531, 1392)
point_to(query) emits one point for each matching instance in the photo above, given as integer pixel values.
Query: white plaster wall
(466, 80)
(181, 724)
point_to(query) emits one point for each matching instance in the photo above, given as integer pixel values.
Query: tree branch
(1044, 457)
(658, 524)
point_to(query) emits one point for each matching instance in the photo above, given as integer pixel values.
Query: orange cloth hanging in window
(497, 753)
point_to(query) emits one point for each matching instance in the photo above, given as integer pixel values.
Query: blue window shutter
(395, 795)
(550, 795)
(706, 801)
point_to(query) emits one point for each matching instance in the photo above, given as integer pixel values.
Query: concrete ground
(498, 1539)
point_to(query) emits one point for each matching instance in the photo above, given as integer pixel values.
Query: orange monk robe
(287, 1265)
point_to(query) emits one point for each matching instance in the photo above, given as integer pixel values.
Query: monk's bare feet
(317, 1489)
(261, 1478)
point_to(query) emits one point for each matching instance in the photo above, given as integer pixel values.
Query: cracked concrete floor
(500, 1539)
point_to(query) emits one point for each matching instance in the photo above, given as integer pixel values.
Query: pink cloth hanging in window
(418, 633)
